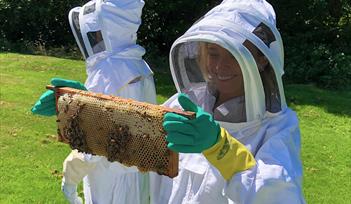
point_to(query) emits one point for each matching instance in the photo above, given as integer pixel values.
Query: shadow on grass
(335, 102)
(28, 48)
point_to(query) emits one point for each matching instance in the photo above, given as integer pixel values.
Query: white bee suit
(105, 31)
(269, 128)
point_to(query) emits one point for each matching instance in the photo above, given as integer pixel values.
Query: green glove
(46, 105)
(190, 136)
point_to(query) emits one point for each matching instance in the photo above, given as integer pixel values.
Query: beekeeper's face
(224, 71)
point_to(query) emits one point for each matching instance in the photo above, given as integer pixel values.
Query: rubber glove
(46, 105)
(190, 135)
(229, 156)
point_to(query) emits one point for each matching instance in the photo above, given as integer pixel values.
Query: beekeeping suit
(105, 31)
(260, 119)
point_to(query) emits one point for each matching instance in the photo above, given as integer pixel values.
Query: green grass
(31, 159)
(325, 122)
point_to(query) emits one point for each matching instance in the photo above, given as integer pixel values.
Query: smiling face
(223, 72)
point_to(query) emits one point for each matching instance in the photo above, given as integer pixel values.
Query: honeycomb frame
(122, 130)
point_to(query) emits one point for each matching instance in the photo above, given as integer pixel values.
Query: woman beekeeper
(105, 31)
(227, 68)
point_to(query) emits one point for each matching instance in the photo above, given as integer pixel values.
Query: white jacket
(276, 178)
(112, 182)
(115, 68)
(271, 130)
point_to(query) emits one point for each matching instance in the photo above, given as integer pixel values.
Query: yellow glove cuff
(229, 156)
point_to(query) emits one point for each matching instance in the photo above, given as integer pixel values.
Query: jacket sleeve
(276, 177)
(77, 165)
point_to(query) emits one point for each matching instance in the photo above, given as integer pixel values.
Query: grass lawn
(31, 158)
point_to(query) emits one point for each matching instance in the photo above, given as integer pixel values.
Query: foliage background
(317, 38)
(316, 33)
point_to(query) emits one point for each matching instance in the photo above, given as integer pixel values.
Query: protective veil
(259, 119)
(105, 31)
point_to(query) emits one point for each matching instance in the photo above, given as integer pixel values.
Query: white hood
(105, 31)
(229, 25)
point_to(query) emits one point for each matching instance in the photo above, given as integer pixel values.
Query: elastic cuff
(229, 156)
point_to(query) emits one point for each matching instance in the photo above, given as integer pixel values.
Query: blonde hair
(202, 59)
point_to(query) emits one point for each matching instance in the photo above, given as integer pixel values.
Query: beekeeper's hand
(46, 105)
(203, 134)
(190, 136)
(70, 192)
(75, 167)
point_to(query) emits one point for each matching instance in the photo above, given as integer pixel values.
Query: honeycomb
(122, 130)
